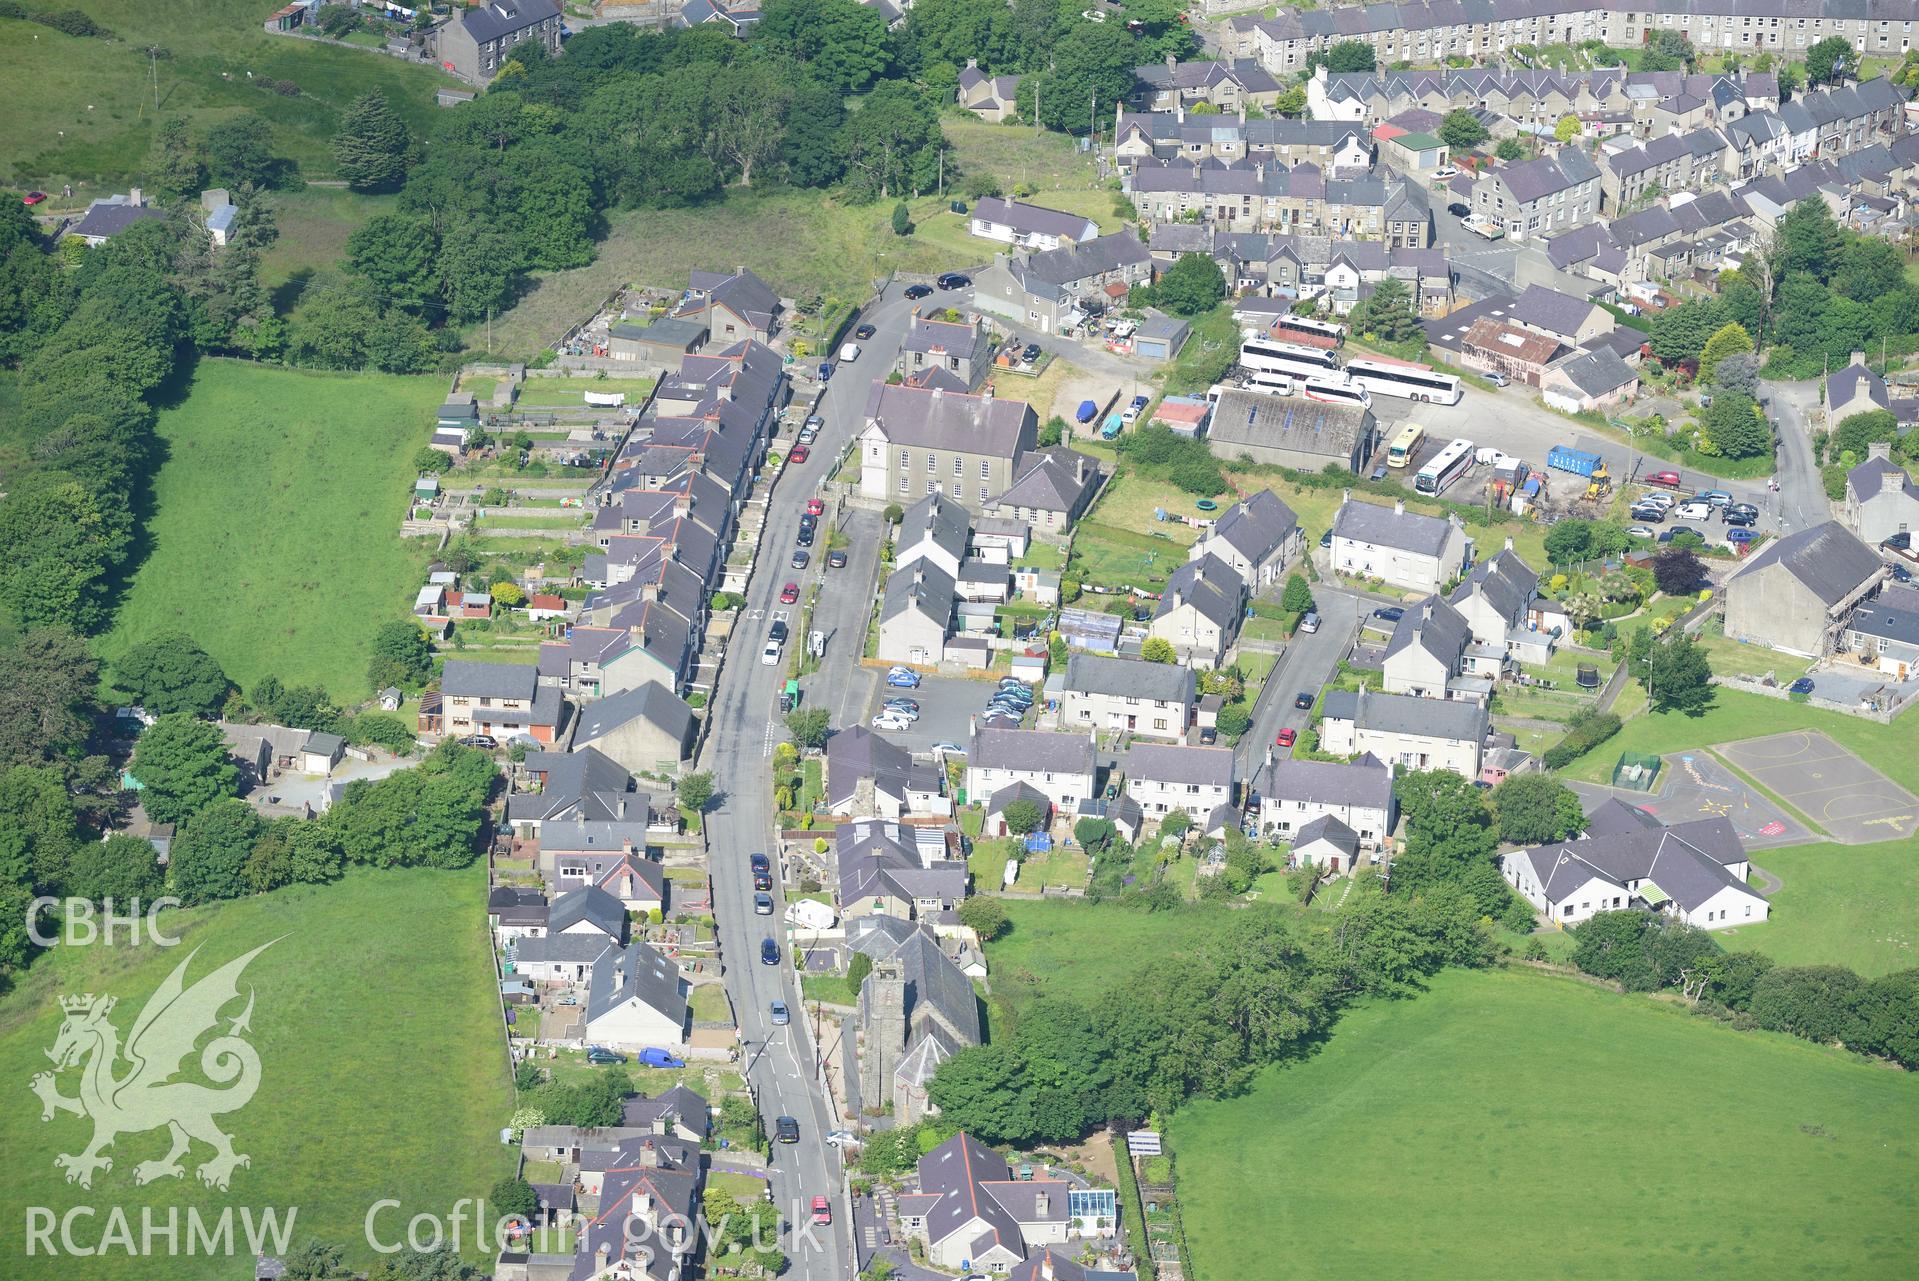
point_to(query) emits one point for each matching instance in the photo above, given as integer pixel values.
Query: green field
(1887, 748)
(1852, 905)
(1510, 1125)
(382, 1069)
(275, 535)
(801, 242)
(1078, 950)
(89, 115)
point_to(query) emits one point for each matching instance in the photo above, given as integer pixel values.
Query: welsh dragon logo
(146, 1096)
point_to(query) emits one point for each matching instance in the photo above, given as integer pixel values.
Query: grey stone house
(478, 40)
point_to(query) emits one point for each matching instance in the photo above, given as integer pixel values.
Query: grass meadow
(85, 109)
(275, 536)
(1510, 1125)
(382, 1068)
(1851, 905)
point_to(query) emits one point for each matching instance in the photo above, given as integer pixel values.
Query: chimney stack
(1043, 1206)
(1509, 542)
(1399, 507)
(649, 1156)
(1879, 449)
(136, 197)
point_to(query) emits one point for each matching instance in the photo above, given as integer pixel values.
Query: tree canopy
(182, 767)
(170, 673)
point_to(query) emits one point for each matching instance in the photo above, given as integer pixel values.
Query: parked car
(770, 656)
(826, 371)
(800, 558)
(805, 538)
(903, 678)
(1801, 686)
(1498, 379)
(822, 1211)
(786, 1129)
(903, 704)
(1389, 613)
(863, 332)
(762, 904)
(808, 435)
(1639, 531)
(1286, 737)
(759, 862)
(815, 507)
(484, 741)
(949, 747)
(813, 423)
(836, 560)
(1693, 509)
(1717, 497)
(1900, 574)
(1310, 622)
(1669, 479)
(1444, 172)
(1649, 512)
(1030, 353)
(1667, 535)
(658, 1058)
(954, 280)
(1743, 509)
(789, 594)
(850, 353)
(777, 631)
(781, 1016)
(917, 292)
(890, 722)
(597, 1055)
(1303, 699)
(1741, 518)
(800, 454)
(763, 881)
(1326, 539)
(769, 952)
(1459, 209)
(1208, 736)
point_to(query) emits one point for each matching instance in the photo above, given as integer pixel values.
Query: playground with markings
(1854, 802)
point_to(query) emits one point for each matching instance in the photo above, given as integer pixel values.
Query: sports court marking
(1828, 784)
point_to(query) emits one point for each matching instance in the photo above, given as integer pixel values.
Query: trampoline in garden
(1636, 771)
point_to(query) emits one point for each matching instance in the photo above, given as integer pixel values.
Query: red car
(822, 1212)
(1670, 479)
(33, 197)
(799, 454)
(789, 593)
(815, 507)
(1286, 737)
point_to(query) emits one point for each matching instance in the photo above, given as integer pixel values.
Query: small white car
(891, 721)
(1640, 531)
(770, 656)
(1659, 499)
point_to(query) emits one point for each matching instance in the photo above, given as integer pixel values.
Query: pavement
(781, 1063)
(1309, 662)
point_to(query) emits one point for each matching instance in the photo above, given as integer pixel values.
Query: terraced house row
(1489, 28)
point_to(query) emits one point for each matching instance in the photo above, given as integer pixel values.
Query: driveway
(1308, 663)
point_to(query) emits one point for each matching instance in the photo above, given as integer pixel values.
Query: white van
(851, 351)
(1694, 509)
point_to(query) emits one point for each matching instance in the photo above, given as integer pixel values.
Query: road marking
(772, 730)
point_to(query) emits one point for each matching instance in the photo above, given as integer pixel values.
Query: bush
(1588, 730)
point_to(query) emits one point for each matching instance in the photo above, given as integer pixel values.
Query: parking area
(946, 704)
(1829, 785)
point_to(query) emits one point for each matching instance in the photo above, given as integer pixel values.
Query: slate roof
(1433, 626)
(1065, 267)
(1459, 720)
(652, 702)
(497, 18)
(1364, 782)
(1131, 677)
(467, 678)
(1829, 560)
(1031, 751)
(953, 1172)
(1534, 180)
(1844, 385)
(938, 520)
(1328, 828)
(1687, 861)
(1209, 585)
(1893, 615)
(635, 972)
(1384, 527)
(1173, 763)
(932, 418)
(1614, 817)
(1875, 474)
(1551, 311)
(1256, 527)
(1050, 480)
(1597, 372)
(1507, 582)
(857, 754)
(588, 905)
(923, 587)
(1033, 219)
(881, 859)
(108, 218)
